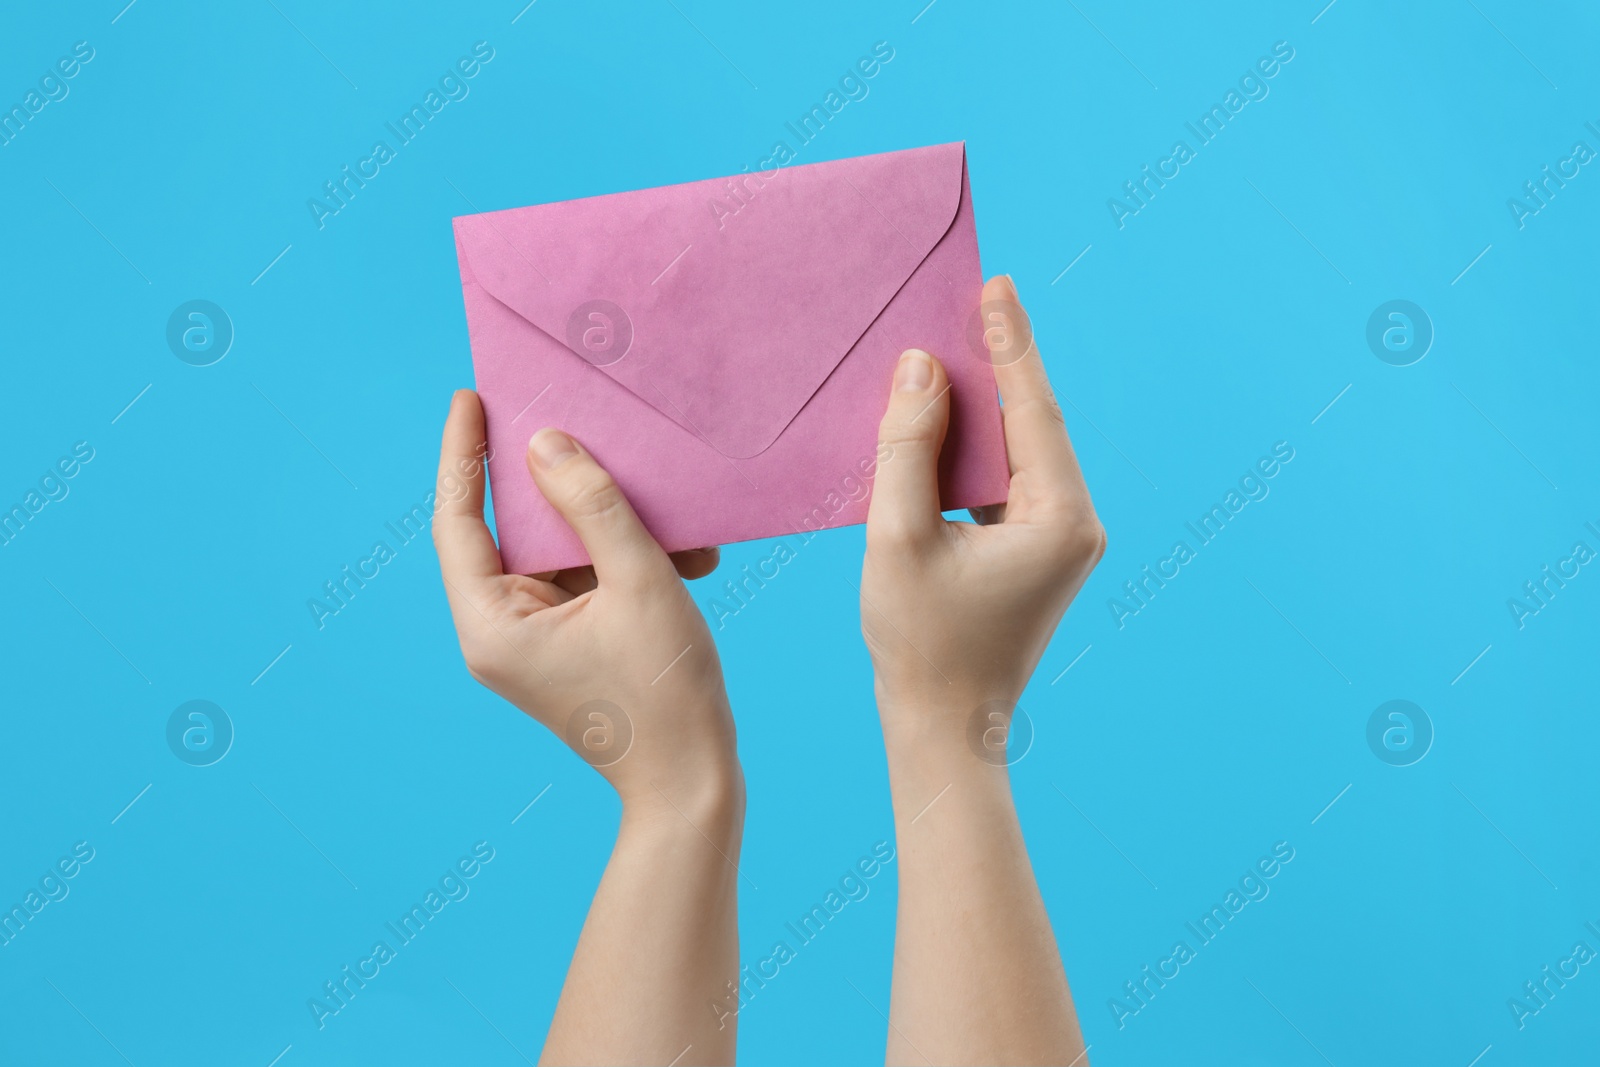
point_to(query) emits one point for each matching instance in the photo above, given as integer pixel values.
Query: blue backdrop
(1229, 300)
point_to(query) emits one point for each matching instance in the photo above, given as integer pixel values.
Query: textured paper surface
(763, 342)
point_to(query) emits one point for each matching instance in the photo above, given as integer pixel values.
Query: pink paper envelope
(725, 347)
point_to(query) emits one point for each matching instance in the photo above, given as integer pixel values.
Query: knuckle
(1083, 543)
(891, 535)
(1048, 405)
(908, 439)
(912, 424)
(1097, 543)
(441, 531)
(481, 663)
(595, 495)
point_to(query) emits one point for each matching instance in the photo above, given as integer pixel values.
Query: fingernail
(551, 447)
(1010, 285)
(914, 373)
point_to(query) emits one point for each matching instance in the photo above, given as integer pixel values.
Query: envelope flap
(724, 303)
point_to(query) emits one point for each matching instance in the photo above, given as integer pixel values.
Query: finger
(905, 495)
(1036, 434)
(696, 562)
(619, 546)
(467, 552)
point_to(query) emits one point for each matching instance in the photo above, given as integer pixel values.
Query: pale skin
(955, 615)
(661, 940)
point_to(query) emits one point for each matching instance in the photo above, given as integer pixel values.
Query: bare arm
(616, 660)
(956, 617)
(977, 976)
(660, 943)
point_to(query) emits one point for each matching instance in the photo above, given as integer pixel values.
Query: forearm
(661, 941)
(977, 975)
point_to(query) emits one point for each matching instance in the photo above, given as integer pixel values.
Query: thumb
(905, 498)
(619, 546)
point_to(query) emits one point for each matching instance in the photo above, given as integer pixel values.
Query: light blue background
(1222, 719)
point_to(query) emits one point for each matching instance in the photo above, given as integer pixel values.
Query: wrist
(709, 803)
(938, 740)
(954, 717)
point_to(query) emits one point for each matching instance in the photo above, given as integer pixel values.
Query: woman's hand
(957, 615)
(615, 658)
